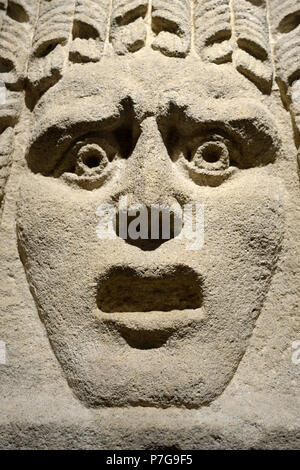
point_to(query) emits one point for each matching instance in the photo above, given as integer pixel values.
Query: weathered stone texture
(146, 342)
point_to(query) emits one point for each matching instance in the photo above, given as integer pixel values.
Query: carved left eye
(210, 159)
(212, 155)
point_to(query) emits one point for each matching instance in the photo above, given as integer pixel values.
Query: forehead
(152, 81)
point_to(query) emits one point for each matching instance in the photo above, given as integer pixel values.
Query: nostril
(148, 227)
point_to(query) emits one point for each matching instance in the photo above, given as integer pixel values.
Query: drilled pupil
(212, 153)
(92, 161)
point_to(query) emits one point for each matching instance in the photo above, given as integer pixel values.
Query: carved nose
(149, 167)
(151, 216)
(148, 227)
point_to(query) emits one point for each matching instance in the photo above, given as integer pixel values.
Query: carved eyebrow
(227, 110)
(57, 128)
(247, 121)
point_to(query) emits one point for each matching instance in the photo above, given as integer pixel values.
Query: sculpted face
(159, 325)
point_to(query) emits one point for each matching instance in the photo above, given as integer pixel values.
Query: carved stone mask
(158, 325)
(149, 225)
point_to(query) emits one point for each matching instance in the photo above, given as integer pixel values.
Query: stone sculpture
(182, 103)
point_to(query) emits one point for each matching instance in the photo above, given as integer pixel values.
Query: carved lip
(151, 321)
(149, 330)
(147, 308)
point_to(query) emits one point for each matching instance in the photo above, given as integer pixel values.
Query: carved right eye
(87, 157)
(91, 159)
(87, 163)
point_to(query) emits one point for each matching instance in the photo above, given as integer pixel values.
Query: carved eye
(212, 155)
(86, 158)
(210, 159)
(91, 159)
(88, 162)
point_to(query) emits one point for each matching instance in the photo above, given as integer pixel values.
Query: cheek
(245, 218)
(243, 237)
(58, 247)
(53, 216)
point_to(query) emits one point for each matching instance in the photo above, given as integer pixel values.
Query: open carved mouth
(146, 308)
(127, 290)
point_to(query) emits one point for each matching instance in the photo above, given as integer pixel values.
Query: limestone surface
(149, 209)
